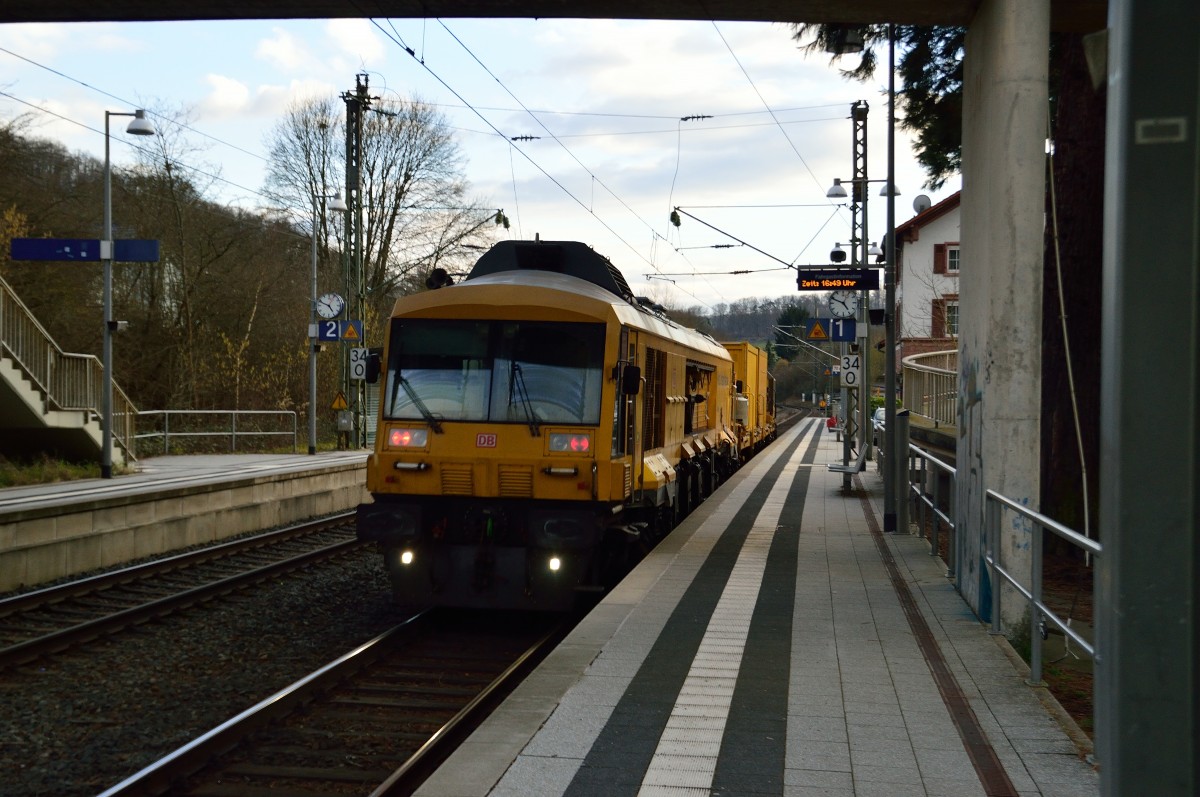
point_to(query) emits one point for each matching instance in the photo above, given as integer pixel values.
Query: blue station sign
(82, 250)
(830, 330)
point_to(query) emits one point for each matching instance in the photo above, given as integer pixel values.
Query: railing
(931, 386)
(230, 430)
(69, 382)
(924, 483)
(1038, 611)
(934, 512)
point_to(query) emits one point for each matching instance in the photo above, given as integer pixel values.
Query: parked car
(877, 425)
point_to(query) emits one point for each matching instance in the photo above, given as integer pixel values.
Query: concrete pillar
(1000, 296)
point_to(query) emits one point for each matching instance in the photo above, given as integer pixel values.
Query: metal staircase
(50, 399)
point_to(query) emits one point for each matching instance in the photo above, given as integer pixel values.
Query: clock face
(330, 305)
(843, 304)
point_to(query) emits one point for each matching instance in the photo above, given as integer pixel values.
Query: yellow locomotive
(539, 429)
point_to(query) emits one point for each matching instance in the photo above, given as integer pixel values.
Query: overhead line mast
(357, 103)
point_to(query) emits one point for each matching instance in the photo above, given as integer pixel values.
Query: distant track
(45, 621)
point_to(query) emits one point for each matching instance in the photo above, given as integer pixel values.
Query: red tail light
(572, 443)
(407, 438)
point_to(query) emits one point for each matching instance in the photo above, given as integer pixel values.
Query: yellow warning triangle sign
(350, 333)
(339, 402)
(818, 332)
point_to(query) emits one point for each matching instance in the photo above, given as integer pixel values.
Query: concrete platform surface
(778, 643)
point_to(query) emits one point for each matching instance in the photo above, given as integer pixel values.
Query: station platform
(51, 531)
(156, 474)
(778, 643)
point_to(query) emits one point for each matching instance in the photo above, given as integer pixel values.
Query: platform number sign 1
(851, 370)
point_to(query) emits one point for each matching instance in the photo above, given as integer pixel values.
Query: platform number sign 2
(851, 370)
(328, 331)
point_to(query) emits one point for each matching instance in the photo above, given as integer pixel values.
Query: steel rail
(158, 777)
(420, 765)
(83, 632)
(46, 595)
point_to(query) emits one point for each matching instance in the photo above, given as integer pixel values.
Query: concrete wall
(48, 543)
(1000, 297)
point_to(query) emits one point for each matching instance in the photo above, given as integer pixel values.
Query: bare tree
(416, 213)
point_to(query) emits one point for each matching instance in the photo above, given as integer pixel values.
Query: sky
(767, 127)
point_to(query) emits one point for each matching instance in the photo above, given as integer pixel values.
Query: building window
(952, 318)
(946, 258)
(944, 317)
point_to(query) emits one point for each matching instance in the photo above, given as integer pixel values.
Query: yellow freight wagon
(754, 397)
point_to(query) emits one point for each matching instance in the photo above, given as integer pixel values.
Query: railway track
(53, 619)
(375, 721)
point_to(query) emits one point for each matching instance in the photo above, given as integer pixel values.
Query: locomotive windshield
(527, 372)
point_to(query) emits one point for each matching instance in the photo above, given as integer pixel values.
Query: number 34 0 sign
(851, 370)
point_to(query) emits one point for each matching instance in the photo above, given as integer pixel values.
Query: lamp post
(896, 460)
(336, 204)
(140, 126)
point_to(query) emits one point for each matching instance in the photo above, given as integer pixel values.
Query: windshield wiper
(420, 405)
(518, 380)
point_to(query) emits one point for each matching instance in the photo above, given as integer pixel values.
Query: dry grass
(44, 470)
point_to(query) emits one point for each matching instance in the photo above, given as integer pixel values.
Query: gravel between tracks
(83, 721)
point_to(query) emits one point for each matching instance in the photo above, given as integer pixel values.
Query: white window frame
(950, 317)
(953, 258)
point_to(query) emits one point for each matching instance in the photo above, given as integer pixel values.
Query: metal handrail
(231, 431)
(66, 381)
(996, 504)
(1038, 611)
(930, 503)
(931, 385)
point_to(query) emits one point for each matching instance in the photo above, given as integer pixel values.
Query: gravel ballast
(82, 721)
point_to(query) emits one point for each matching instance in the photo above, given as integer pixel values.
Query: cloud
(273, 101)
(357, 38)
(283, 50)
(226, 97)
(36, 41)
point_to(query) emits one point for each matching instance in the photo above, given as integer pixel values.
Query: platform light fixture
(844, 40)
(140, 126)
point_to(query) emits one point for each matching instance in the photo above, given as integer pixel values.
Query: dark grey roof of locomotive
(572, 258)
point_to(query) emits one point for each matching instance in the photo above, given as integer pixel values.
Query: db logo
(485, 441)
